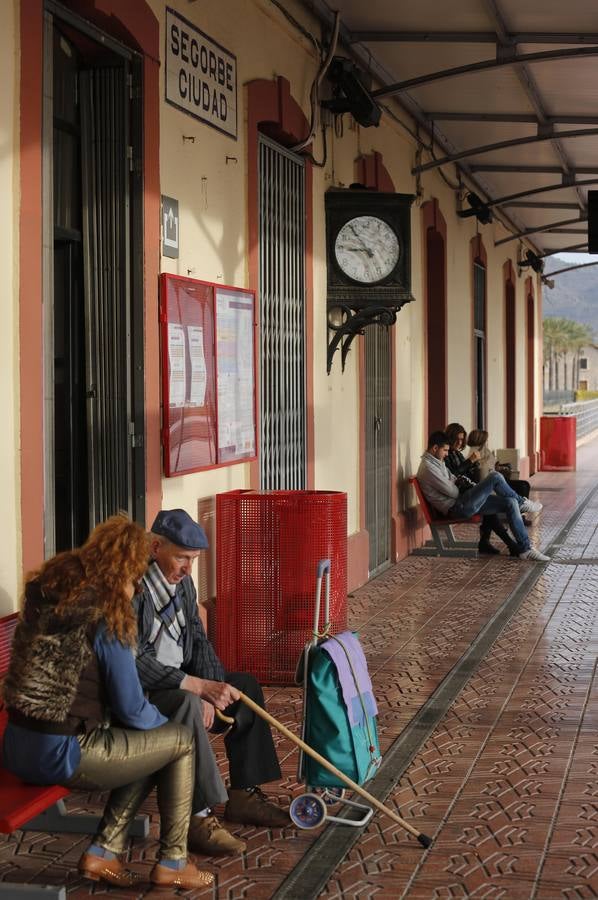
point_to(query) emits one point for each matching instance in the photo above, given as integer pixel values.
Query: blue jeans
(493, 495)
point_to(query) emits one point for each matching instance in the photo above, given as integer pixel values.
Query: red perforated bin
(268, 546)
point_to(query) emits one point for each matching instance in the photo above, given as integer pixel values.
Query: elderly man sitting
(184, 678)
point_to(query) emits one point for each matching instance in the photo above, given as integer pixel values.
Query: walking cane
(424, 840)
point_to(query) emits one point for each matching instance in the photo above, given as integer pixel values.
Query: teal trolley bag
(339, 721)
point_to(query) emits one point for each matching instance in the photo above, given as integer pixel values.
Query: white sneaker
(534, 555)
(530, 506)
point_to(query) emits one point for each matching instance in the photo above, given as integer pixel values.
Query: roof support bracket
(545, 130)
(568, 178)
(505, 52)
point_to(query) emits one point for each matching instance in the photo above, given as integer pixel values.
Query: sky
(574, 258)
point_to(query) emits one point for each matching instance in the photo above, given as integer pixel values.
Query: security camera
(350, 93)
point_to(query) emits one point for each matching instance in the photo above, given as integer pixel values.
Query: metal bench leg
(57, 819)
(453, 544)
(32, 891)
(447, 547)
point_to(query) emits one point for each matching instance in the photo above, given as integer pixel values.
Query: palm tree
(563, 337)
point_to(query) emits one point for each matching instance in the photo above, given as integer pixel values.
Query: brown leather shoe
(207, 836)
(252, 807)
(96, 868)
(164, 879)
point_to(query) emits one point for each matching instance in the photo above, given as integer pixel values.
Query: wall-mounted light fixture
(531, 259)
(477, 208)
(350, 93)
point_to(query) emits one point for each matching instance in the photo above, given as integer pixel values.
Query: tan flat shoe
(163, 878)
(112, 871)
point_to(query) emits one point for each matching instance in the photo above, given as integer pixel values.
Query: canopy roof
(507, 89)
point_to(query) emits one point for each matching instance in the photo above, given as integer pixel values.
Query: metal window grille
(104, 132)
(282, 317)
(479, 331)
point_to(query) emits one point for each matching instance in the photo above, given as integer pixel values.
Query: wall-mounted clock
(368, 236)
(368, 247)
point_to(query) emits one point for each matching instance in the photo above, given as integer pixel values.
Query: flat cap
(178, 527)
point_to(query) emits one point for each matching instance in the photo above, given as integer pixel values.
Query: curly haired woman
(72, 671)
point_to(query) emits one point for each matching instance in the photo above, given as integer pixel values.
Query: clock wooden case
(368, 247)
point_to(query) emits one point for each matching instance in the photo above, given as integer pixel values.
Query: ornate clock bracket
(345, 321)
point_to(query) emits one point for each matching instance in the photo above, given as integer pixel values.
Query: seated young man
(492, 495)
(184, 678)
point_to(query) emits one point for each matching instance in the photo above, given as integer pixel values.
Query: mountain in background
(575, 294)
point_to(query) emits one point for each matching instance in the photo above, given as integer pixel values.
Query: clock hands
(367, 250)
(363, 247)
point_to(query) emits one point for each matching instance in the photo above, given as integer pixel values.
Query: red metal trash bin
(268, 546)
(558, 443)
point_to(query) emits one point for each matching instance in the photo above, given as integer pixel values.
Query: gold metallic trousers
(131, 764)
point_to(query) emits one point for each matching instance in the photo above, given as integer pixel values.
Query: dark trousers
(520, 487)
(249, 746)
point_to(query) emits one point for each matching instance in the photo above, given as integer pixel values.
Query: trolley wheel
(333, 795)
(307, 811)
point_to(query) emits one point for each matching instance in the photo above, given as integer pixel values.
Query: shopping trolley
(339, 720)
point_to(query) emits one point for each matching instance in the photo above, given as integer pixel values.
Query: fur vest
(53, 683)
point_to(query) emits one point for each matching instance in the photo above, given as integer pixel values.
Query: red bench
(444, 542)
(31, 807)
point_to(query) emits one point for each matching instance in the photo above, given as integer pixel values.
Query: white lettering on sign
(201, 76)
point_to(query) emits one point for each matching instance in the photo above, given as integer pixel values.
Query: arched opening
(436, 315)
(62, 65)
(479, 260)
(530, 342)
(510, 355)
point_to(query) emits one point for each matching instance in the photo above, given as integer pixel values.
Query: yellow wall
(212, 195)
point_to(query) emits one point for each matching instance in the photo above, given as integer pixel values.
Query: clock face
(367, 249)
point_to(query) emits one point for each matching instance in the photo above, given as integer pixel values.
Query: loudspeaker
(592, 221)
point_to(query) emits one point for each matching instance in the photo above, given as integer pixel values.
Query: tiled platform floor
(506, 784)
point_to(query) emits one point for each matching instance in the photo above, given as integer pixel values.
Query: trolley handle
(323, 568)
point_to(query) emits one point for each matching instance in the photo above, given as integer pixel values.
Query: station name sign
(201, 76)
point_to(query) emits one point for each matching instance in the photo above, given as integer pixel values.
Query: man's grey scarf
(167, 605)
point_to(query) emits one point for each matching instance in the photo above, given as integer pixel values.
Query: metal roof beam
(484, 66)
(551, 227)
(571, 269)
(508, 199)
(568, 249)
(566, 231)
(502, 145)
(523, 204)
(472, 37)
(535, 170)
(509, 118)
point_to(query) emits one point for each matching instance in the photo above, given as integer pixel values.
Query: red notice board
(208, 374)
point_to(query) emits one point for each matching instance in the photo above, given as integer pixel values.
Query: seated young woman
(77, 714)
(458, 464)
(477, 440)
